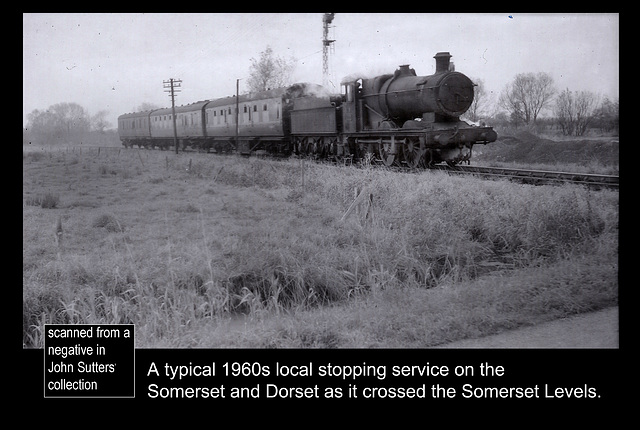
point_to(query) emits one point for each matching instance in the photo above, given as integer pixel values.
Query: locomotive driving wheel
(385, 151)
(413, 151)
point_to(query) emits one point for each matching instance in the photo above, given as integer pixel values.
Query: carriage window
(255, 108)
(245, 109)
(264, 107)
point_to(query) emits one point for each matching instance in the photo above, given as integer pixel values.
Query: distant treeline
(68, 123)
(524, 101)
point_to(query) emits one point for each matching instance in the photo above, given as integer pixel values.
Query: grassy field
(204, 250)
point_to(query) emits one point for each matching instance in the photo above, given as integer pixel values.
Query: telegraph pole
(172, 86)
(237, 113)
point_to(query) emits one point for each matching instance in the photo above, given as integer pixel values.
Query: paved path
(592, 330)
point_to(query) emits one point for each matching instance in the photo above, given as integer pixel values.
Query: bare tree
(607, 115)
(480, 100)
(40, 121)
(564, 112)
(62, 121)
(99, 121)
(586, 102)
(71, 117)
(575, 110)
(527, 95)
(270, 71)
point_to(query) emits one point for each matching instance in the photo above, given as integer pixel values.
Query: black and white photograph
(323, 180)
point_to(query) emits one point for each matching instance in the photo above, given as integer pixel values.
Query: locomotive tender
(400, 118)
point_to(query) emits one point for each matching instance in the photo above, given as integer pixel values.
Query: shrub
(108, 222)
(45, 201)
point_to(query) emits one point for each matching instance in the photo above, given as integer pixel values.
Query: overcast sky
(116, 62)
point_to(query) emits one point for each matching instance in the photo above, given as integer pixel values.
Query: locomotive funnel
(442, 61)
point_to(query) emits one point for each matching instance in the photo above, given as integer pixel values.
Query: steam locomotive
(397, 119)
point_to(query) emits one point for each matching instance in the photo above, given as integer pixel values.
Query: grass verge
(208, 251)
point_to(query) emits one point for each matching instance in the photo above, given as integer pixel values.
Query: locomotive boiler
(403, 96)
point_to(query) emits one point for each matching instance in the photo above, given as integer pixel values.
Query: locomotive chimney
(442, 61)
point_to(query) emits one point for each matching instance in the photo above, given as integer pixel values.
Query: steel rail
(535, 176)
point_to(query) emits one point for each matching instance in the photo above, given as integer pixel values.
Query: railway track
(538, 177)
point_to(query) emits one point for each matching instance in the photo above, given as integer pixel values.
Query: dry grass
(183, 246)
